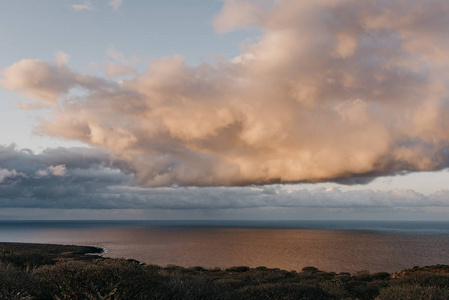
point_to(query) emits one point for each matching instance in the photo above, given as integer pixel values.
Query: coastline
(52, 271)
(66, 252)
(56, 251)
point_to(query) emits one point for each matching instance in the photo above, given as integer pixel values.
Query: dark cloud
(84, 178)
(61, 177)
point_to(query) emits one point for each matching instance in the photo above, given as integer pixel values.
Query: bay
(339, 246)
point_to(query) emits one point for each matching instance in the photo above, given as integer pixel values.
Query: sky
(235, 109)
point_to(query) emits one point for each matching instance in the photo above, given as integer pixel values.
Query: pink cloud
(331, 90)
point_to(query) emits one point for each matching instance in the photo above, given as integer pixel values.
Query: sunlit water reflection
(330, 246)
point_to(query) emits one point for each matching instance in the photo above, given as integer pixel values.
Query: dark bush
(35, 275)
(381, 276)
(25, 260)
(108, 279)
(152, 268)
(314, 277)
(239, 269)
(285, 292)
(342, 277)
(363, 276)
(17, 284)
(190, 287)
(196, 269)
(335, 288)
(364, 290)
(426, 279)
(309, 270)
(216, 270)
(4, 251)
(230, 283)
(174, 269)
(408, 292)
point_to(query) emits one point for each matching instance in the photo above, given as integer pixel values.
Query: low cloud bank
(332, 91)
(81, 178)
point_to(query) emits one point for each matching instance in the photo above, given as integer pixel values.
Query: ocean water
(340, 246)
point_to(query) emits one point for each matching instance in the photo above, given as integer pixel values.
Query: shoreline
(381, 250)
(55, 251)
(66, 252)
(52, 271)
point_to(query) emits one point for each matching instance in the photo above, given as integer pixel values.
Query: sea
(333, 246)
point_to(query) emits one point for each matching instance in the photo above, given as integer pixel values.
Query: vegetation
(30, 271)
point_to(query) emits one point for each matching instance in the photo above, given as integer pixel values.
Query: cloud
(58, 170)
(72, 176)
(83, 178)
(46, 83)
(115, 4)
(333, 91)
(37, 80)
(5, 174)
(111, 52)
(85, 6)
(41, 173)
(114, 70)
(126, 66)
(239, 14)
(61, 59)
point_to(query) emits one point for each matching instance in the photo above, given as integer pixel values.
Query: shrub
(334, 288)
(196, 269)
(381, 276)
(191, 287)
(4, 251)
(407, 292)
(364, 290)
(174, 269)
(426, 279)
(16, 283)
(343, 277)
(309, 270)
(285, 292)
(363, 276)
(107, 279)
(152, 268)
(239, 269)
(25, 260)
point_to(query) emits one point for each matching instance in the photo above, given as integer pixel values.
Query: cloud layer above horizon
(331, 90)
(80, 178)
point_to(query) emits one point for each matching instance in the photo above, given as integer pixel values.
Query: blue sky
(214, 109)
